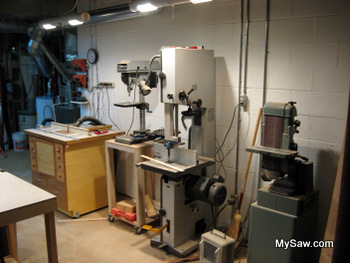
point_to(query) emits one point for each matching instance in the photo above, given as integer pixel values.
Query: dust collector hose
(88, 118)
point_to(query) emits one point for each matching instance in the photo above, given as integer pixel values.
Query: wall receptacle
(106, 84)
(243, 100)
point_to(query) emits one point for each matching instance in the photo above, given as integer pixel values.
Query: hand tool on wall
(237, 218)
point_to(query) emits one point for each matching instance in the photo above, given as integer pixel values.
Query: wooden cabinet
(74, 171)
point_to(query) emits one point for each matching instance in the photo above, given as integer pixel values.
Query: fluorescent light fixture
(151, 5)
(69, 20)
(48, 26)
(75, 22)
(147, 7)
(200, 1)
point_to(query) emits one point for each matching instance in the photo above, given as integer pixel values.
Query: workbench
(20, 200)
(70, 165)
(136, 176)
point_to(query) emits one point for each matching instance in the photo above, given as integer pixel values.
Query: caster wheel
(138, 230)
(76, 215)
(111, 218)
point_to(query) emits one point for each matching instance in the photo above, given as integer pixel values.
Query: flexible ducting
(93, 120)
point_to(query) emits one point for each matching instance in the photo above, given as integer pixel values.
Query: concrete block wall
(308, 62)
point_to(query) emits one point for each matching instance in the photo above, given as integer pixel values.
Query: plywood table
(137, 174)
(20, 200)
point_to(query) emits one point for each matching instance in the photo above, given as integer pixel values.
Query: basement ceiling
(39, 9)
(34, 9)
(17, 16)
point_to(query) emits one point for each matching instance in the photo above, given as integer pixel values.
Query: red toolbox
(128, 216)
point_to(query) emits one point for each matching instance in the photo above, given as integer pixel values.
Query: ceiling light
(151, 5)
(147, 7)
(200, 1)
(75, 22)
(48, 26)
(69, 20)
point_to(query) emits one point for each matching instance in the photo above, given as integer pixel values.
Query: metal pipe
(267, 29)
(240, 52)
(54, 61)
(246, 48)
(115, 13)
(109, 14)
(239, 95)
(35, 50)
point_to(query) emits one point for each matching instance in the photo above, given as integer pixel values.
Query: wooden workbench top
(18, 198)
(72, 138)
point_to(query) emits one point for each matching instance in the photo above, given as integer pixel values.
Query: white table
(20, 200)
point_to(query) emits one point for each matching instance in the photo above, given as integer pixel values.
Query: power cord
(229, 129)
(109, 110)
(133, 109)
(213, 222)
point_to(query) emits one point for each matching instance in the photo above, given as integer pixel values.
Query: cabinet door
(45, 157)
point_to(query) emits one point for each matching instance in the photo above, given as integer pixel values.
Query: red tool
(100, 132)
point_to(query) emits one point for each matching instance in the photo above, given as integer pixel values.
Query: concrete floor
(90, 238)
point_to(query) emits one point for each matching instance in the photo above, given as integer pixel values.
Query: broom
(233, 230)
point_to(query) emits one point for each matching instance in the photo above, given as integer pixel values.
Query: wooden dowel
(162, 163)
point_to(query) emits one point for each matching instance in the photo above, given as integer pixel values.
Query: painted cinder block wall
(308, 62)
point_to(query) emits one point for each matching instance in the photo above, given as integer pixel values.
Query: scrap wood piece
(150, 211)
(99, 127)
(162, 163)
(80, 220)
(127, 206)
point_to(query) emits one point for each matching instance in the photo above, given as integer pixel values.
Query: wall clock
(92, 56)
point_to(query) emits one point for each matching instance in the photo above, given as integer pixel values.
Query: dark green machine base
(275, 218)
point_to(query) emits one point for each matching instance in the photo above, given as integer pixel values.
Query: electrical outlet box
(243, 100)
(106, 84)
